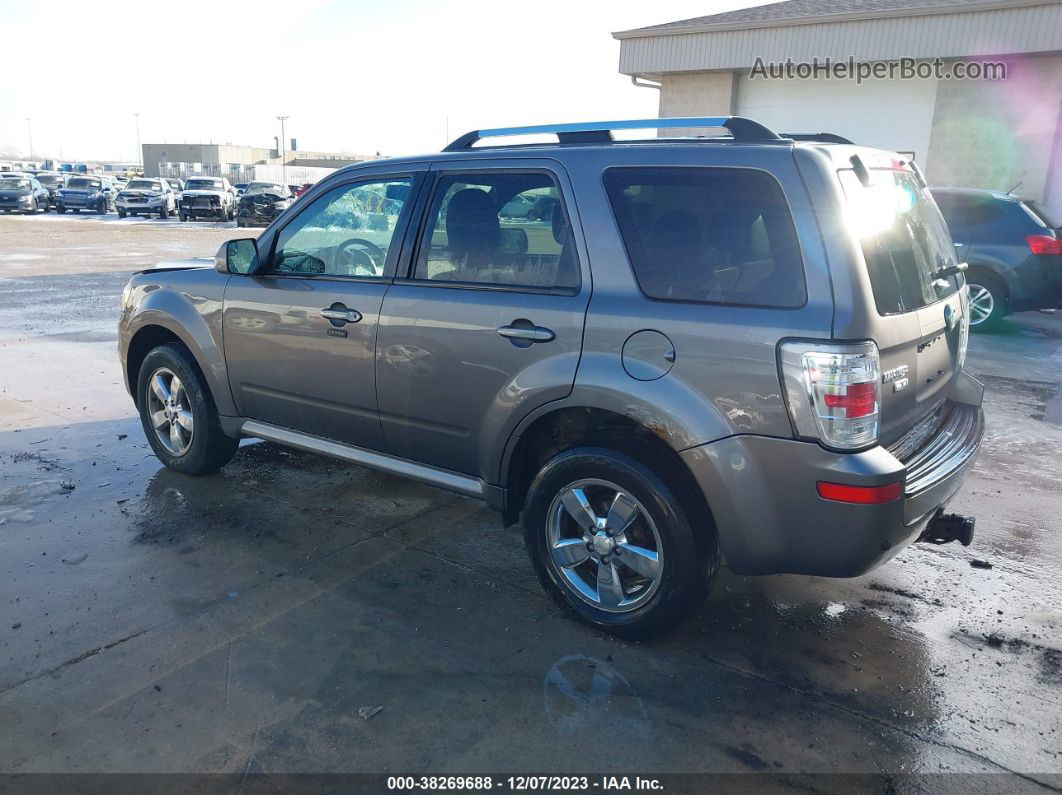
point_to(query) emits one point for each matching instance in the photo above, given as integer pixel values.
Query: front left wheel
(178, 413)
(614, 544)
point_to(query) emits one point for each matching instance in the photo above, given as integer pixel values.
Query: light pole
(283, 161)
(139, 151)
(29, 132)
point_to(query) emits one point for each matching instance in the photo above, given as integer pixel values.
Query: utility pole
(283, 160)
(29, 131)
(139, 151)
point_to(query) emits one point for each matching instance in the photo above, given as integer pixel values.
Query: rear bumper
(771, 520)
(1038, 285)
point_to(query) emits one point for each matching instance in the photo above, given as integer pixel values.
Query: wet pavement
(152, 622)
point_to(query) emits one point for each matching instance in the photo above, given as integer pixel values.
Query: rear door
(910, 258)
(300, 332)
(488, 325)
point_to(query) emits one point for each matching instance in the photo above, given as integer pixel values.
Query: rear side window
(963, 212)
(905, 242)
(708, 235)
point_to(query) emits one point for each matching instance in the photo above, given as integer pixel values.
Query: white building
(984, 133)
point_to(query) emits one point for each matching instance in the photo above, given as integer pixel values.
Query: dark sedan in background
(22, 195)
(1013, 248)
(262, 202)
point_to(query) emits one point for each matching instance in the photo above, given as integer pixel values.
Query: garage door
(891, 114)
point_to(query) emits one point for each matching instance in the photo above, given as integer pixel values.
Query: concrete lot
(238, 622)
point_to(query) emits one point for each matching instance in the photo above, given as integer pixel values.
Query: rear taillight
(1044, 244)
(832, 390)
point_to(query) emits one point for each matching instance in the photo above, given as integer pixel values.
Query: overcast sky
(354, 76)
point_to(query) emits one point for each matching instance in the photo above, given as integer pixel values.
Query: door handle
(341, 315)
(528, 333)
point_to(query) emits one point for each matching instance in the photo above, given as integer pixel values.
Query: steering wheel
(358, 257)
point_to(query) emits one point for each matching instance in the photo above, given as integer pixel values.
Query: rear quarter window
(708, 235)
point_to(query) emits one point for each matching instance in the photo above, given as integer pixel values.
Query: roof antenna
(1011, 191)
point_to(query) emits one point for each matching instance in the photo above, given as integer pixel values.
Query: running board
(433, 476)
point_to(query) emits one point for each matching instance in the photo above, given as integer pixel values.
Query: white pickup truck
(211, 197)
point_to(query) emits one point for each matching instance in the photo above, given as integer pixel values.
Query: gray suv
(656, 354)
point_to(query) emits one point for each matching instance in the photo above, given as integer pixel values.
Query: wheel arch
(569, 427)
(156, 331)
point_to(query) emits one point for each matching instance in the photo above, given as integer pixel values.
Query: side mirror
(238, 256)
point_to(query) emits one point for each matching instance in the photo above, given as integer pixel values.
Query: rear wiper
(951, 270)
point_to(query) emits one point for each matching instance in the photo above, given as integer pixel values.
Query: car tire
(121, 213)
(196, 450)
(988, 301)
(182, 216)
(60, 209)
(580, 569)
(164, 213)
(230, 214)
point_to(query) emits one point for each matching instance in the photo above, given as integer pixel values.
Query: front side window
(346, 232)
(708, 235)
(909, 253)
(506, 229)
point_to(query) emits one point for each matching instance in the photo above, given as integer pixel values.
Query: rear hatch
(921, 325)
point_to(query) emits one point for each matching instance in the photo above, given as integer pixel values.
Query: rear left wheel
(178, 413)
(988, 302)
(613, 545)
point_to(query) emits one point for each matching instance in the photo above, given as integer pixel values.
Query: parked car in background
(86, 192)
(177, 185)
(207, 197)
(769, 366)
(146, 196)
(1013, 248)
(52, 182)
(298, 190)
(262, 202)
(24, 195)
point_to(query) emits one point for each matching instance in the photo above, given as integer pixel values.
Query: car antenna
(1011, 191)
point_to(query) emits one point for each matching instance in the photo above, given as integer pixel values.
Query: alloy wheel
(982, 304)
(603, 546)
(170, 411)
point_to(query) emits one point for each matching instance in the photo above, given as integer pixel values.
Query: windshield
(203, 184)
(905, 241)
(81, 183)
(143, 184)
(15, 184)
(50, 180)
(240, 186)
(174, 183)
(266, 187)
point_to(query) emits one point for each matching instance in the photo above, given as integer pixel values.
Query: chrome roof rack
(740, 128)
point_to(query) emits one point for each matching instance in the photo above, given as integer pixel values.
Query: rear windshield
(905, 240)
(709, 235)
(82, 183)
(49, 180)
(143, 184)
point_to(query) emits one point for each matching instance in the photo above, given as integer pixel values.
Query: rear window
(905, 242)
(708, 235)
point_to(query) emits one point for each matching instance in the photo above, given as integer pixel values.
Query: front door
(489, 323)
(300, 332)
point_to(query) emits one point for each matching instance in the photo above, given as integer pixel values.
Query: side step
(433, 476)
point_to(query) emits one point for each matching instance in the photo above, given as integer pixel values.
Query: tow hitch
(947, 527)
